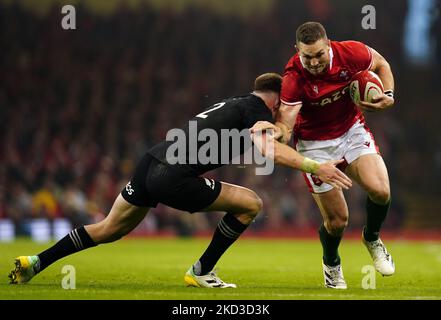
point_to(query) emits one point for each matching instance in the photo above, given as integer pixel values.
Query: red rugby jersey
(327, 111)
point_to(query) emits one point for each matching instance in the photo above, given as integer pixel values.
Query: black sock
(77, 240)
(227, 231)
(330, 245)
(376, 214)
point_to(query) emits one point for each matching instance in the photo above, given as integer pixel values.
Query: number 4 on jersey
(204, 115)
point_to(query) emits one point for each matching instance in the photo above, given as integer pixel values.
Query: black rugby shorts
(155, 182)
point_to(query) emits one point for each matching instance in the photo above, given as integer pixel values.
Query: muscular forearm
(385, 73)
(385, 101)
(283, 154)
(286, 132)
(287, 156)
(286, 118)
(382, 68)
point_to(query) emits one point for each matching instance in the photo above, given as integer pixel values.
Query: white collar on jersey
(331, 55)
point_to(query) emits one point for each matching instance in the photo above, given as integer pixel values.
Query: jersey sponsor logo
(333, 97)
(129, 189)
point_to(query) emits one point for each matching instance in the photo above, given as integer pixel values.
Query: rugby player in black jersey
(177, 181)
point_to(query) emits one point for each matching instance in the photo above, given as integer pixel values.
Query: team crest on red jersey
(344, 74)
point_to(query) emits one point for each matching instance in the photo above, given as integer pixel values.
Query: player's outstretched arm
(287, 156)
(286, 118)
(327, 172)
(261, 126)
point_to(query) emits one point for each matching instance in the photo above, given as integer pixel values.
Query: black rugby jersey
(208, 137)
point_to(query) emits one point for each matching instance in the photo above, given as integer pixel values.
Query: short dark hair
(310, 32)
(268, 82)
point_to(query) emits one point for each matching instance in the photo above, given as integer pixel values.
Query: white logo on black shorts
(129, 189)
(210, 183)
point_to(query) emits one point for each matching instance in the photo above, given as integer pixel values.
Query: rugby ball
(364, 86)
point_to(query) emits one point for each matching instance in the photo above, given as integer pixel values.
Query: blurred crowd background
(78, 108)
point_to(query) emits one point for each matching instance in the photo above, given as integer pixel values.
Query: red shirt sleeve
(358, 55)
(291, 89)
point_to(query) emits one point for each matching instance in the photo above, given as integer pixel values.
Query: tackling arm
(286, 118)
(287, 156)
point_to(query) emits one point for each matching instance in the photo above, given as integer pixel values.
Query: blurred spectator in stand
(44, 203)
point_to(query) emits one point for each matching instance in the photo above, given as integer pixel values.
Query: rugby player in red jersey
(316, 106)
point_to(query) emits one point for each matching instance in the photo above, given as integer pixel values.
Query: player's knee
(381, 195)
(337, 226)
(250, 210)
(255, 206)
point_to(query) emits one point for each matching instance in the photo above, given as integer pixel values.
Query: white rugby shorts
(356, 142)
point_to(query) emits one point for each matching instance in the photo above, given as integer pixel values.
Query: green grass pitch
(153, 269)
